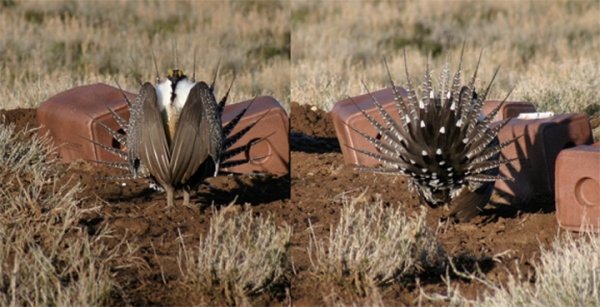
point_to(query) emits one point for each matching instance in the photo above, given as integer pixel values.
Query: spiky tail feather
(441, 143)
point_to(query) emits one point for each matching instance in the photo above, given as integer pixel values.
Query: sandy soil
(319, 179)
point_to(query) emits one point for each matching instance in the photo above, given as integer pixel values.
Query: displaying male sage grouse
(448, 150)
(174, 135)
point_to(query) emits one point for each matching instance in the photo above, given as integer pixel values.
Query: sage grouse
(175, 136)
(448, 150)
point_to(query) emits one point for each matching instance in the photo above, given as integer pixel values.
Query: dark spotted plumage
(176, 145)
(448, 150)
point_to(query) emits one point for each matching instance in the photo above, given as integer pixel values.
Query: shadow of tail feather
(442, 143)
(200, 147)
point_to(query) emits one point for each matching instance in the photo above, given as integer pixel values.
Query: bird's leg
(186, 197)
(170, 196)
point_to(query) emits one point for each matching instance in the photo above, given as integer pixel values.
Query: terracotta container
(536, 150)
(347, 113)
(509, 109)
(74, 117)
(578, 188)
(272, 154)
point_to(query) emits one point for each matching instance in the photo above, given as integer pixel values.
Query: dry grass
(547, 51)
(374, 246)
(567, 274)
(50, 46)
(240, 257)
(46, 257)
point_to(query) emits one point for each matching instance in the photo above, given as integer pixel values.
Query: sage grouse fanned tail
(174, 135)
(448, 150)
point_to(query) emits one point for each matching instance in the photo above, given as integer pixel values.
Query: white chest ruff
(169, 103)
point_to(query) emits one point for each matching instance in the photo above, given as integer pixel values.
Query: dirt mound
(21, 118)
(311, 121)
(319, 181)
(312, 130)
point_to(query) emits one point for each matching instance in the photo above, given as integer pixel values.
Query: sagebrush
(567, 274)
(46, 256)
(240, 256)
(373, 246)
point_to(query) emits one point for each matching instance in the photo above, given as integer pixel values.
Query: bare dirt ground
(496, 242)
(492, 241)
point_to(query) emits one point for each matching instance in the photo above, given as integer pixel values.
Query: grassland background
(50, 46)
(548, 51)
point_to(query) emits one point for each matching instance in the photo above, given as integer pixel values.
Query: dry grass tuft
(46, 257)
(241, 256)
(374, 246)
(547, 51)
(50, 46)
(567, 274)
(571, 86)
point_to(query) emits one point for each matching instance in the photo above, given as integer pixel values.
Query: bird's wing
(134, 126)
(190, 147)
(212, 117)
(152, 146)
